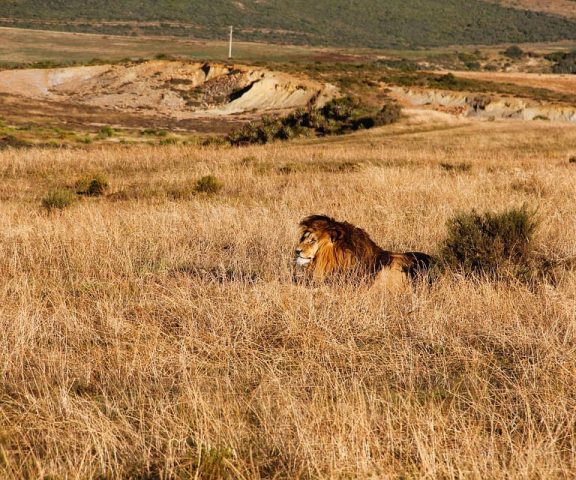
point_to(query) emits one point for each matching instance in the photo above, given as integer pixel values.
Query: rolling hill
(345, 23)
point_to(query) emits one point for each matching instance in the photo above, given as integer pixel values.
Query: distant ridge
(344, 23)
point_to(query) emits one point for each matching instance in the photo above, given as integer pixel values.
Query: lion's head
(327, 246)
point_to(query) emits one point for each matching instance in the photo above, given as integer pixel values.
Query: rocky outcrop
(171, 88)
(485, 106)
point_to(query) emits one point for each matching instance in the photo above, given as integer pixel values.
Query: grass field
(23, 46)
(30, 46)
(154, 332)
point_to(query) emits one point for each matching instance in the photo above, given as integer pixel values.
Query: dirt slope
(483, 106)
(178, 90)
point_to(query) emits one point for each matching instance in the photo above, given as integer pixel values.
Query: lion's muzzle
(301, 261)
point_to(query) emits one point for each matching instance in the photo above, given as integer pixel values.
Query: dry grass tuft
(159, 336)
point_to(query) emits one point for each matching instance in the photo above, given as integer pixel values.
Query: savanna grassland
(154, 331)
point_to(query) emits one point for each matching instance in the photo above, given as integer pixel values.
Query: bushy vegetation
(366, 23)
(564, 62)
(490, 244)
(208, 184)
(339, 116)
(513, 51)
(92, 185)
(106, 132)
(58, 199)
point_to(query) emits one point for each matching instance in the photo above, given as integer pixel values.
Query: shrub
(572, 159)
(513, 52)
(340, 109)
(58, 199)
(338, 116)
(490, 243)
(92, 186)
(106, 132)
(208, 184)
(389, 113)
(85, 140)
(564, 62)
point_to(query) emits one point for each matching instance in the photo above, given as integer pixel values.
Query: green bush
(564, 62)
(340, 109)
(58, 199)
(106, 132)
(490, 243)
(208, 184)
(513, 52)
(338, 116)
(92, 186)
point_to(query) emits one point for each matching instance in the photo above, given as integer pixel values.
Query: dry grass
(159, 336)
(557, 83)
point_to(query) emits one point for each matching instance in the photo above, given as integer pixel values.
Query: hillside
(361, 23)
(563, 8)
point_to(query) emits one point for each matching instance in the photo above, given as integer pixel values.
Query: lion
(328, 248)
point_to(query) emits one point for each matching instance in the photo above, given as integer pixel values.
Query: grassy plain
(154, 332)
(23, 46)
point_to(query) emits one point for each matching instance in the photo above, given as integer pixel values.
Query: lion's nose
(298, 251)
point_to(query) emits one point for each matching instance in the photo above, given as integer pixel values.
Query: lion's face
(308, 246)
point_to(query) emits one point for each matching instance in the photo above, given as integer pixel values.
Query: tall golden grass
(155, 333)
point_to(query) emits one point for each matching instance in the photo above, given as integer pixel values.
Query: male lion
(327, 248)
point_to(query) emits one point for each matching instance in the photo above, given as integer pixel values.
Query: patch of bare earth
(564, 8)
(171, 94)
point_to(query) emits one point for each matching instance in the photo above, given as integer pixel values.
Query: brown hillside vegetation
(153, 331)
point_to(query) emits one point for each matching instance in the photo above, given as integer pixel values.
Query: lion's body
(329, 248)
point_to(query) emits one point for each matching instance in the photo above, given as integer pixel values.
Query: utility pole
(230, 46)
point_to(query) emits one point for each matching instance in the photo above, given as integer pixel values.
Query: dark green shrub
(564, 62)
(338, 116)
(490, 243)
(340, 109)
(208, 184)
(58, 199)
(513, 51)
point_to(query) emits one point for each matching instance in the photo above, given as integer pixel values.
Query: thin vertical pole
(230, 46)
